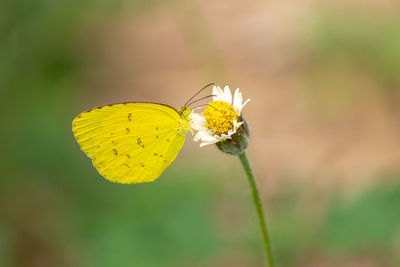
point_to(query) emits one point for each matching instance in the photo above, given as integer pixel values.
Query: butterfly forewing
(132, 142)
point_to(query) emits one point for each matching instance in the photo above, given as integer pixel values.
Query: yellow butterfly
(132, 142)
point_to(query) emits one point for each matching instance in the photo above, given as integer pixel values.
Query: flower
(221, 119)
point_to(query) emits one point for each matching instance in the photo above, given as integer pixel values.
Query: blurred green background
(324, 81)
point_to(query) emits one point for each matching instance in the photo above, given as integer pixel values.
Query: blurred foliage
(352, 56)
(361, 40)
(366, 224)
(371, 220)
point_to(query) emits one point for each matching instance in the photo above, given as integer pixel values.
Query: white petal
(236, 124)
(219, 94)
(227, 95)
(237, 100)
(195, 116)
(219, 138)
(197, 136)
(203, 135)
(244, 104)
(197, 122)
(225, 136)
(209, 137)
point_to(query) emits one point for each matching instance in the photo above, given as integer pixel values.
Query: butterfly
(133, 142)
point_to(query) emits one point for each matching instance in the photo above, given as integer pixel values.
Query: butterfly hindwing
(132, 142)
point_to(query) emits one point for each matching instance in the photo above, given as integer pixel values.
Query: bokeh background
(324, 81)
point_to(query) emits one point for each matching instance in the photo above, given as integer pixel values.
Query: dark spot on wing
(141, 164)
(128, 156)
(130, 117)
(168, 140)
(115, 152)
(128, 130)
(156, 136)
(114, 142)
(155, 154)
(139, 141)
(157, 128)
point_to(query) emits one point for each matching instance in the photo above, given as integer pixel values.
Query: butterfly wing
(131, 142)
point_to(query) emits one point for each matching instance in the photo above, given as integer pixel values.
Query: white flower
(219, 121)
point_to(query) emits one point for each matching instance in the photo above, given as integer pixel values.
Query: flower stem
(257, 203)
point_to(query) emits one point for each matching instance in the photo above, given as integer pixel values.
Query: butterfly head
(185, 112)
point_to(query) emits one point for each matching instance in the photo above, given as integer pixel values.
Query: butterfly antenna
(203, 106)
(199, 100)
(212, 106)
(198, 107)
(201, 90)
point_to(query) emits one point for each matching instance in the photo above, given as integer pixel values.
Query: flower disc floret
(219, 117)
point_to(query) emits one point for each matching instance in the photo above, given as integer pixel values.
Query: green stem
(257, 203)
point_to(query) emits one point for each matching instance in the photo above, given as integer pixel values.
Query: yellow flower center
(219, 117)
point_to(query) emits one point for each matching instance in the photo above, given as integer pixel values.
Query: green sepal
(239, 141)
